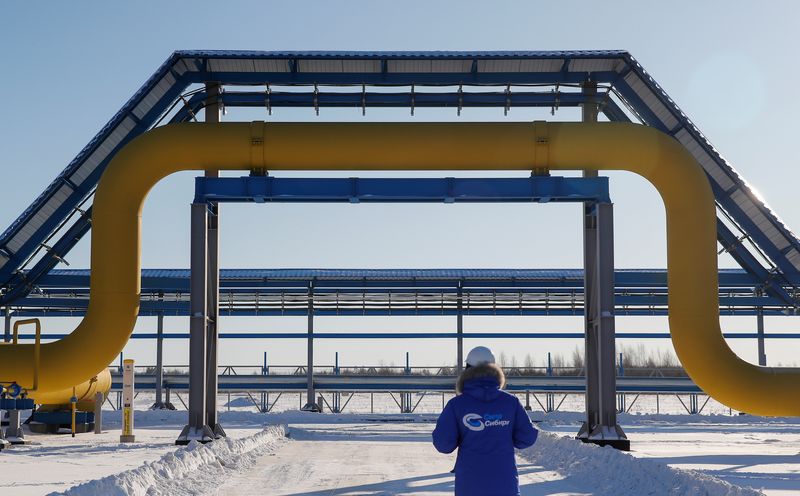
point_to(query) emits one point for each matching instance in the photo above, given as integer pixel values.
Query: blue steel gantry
(611, 83)
(617, 85)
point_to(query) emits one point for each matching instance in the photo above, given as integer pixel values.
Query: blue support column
(7, 326)
(405, 397)
(336, 407)
(460, 329)
(549, 397)
(762, 355)
(264, 395)
(311, 404)
(197, 427)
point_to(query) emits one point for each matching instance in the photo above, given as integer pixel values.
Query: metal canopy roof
(64, 202)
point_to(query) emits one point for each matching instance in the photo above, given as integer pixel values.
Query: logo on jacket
(477, 423)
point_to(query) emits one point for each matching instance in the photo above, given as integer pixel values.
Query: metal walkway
(45, 232)
(254, 292)
(397, 383)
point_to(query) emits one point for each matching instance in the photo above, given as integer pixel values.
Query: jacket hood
(483, 382)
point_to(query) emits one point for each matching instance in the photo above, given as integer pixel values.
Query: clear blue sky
(66, 70)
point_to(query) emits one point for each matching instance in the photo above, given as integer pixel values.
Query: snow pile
(241, 402)
(186, 469)
(613, 472)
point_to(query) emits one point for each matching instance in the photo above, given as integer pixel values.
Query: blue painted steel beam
(771, 282)
(406, 99)
(261, 189)
(622, 301)
(197, 101)
(157, 280)
(577, 312)
(402, 78)
(425, 335)
(23, 282)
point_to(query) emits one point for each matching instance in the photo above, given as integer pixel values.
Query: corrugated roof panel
(101, 152)
(395, 274)
(711, 167)
(794, 257)
(361, 65)
(24, 233)
(56, 200)
(429, 66)
(338, 65)
(182, 66)
(271, 65)
(408, 66)
(651, 100)
(230, 65)
(444, 55)
(88, 166)
(596, 65)
(319, 65)
(750, 208)
(451, 65)
(546, 65)
(520, 65)
(3, 259)
(154, 95)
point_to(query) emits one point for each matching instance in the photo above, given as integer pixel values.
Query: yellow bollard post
(127, 402)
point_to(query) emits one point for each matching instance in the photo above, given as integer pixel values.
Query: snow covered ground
(391, 454)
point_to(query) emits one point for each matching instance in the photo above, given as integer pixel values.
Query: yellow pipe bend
(687, 196)
(85, 392)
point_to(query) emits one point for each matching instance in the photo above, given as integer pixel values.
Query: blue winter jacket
(485, 424)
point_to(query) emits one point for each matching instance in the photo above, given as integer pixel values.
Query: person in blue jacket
(485, 423)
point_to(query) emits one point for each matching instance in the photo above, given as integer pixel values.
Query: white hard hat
(479, 355)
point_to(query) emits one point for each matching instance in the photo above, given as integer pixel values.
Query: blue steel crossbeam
(422, 335)
(418, 382)
(261, 189)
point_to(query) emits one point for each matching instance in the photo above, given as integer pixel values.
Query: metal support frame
(264, 395)
(198, 428)
(98, 412)
(7, 327)
(762, 355)
(336, 402)
(550, 397)
(204, 302)
(15, 435)
(460, 329)
(160, 403)
(601, 425)
(213, 113)
(310, 405)
(3, 441)
(212, 309)
(405, 397)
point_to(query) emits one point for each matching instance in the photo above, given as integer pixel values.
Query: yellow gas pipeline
(687, 196)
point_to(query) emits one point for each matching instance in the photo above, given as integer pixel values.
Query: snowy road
(368, 459)
(392, 454)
